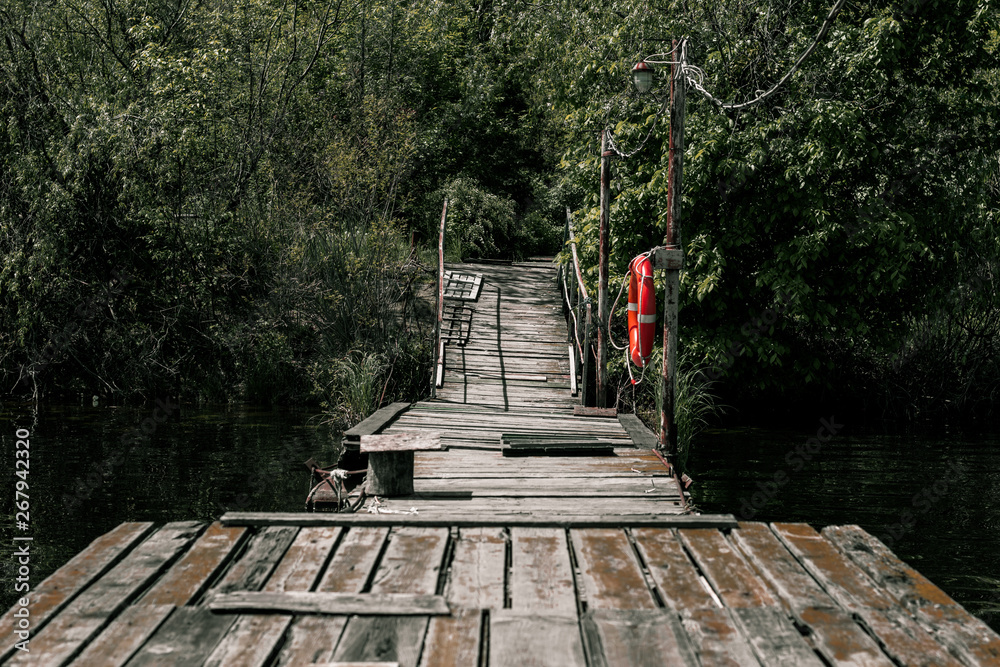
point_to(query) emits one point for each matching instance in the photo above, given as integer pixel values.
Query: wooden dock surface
(507, 417)
(329, 589)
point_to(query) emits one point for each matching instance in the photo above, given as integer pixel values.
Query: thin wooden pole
(438, 374)
(675, 170)
(602, 272)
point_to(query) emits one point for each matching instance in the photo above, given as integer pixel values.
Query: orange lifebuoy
(641, 310)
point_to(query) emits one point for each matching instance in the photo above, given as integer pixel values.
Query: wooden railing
(579, 318)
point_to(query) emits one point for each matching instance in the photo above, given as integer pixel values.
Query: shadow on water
(934, 500)
(195, 464)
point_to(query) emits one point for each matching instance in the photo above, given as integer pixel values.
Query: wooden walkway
(509, 552)
(507, 385)
(329, 589)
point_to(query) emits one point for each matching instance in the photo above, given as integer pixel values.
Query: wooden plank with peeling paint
(541, 572)
(610, 574)
(192, 573)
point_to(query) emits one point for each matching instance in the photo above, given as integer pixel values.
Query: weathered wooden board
(51, 595)
(541, 577)
(254, 567)
(678, 582)
(732, 578)
(520, 638)
(376, 422)
(311, 639)
(400, 441)
(837, 636)
(300, 566)
(774, 638)
(192, 573)
(486, 519)
(298, 602)
(354, 560)
(453, 640)
(716, 638)
(478, 569)
(638, 432)
(610, 574)
(963, 634)
(898, 634)
(187, 637)
(411, 565)
(83, 618)
(252, 641)
(631, 638)
(124, 636)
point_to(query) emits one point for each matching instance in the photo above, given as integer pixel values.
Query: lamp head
(642, 76)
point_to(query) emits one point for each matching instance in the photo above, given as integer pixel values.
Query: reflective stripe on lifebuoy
(641, 310)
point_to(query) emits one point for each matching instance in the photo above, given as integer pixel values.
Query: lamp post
(671, 258)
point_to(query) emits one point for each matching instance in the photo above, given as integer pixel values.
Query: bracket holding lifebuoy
(641, 310)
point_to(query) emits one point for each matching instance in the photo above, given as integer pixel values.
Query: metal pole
(602, 269)
(668, 424)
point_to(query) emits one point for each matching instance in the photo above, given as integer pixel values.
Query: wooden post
(602, 272)
(668, 424)
(390, 460)
(438, 345)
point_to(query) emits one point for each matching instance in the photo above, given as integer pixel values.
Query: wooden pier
(329, 589)
(533, 532)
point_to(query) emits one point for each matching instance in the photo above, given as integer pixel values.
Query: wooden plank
(962, 633)
(411, 565)
(774, 638)
(311, 639)
(677, 580)
(453, 640)
(660, 520)
(186, 638)
(520, 638)
(837, 636)
(896, 632)
(120, 640)
(584, 411)
(609, 571)
(399, 441)
(541, 578)
(303, 602)
(191, 574)
(84, 617)
(732, 578)
(477, 573)
(634, 638)
(61, 586)
(251, 642)
(392, 639)
(376, 422)
(353, 561)
(255, 565)
(300, 567)
(552, 448)
(716, 638)
(641, 436)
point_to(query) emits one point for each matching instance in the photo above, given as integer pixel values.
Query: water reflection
(89, 471)
(934, 501)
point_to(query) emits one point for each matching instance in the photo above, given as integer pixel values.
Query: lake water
(935, 499)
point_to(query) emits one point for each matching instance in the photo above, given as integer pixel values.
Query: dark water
(195, 464)
(936, 501)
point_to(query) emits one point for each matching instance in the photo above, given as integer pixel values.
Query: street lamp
(642, 76)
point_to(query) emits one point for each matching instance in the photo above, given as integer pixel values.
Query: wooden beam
(376, 422)
(720, 521)
(297, 602)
